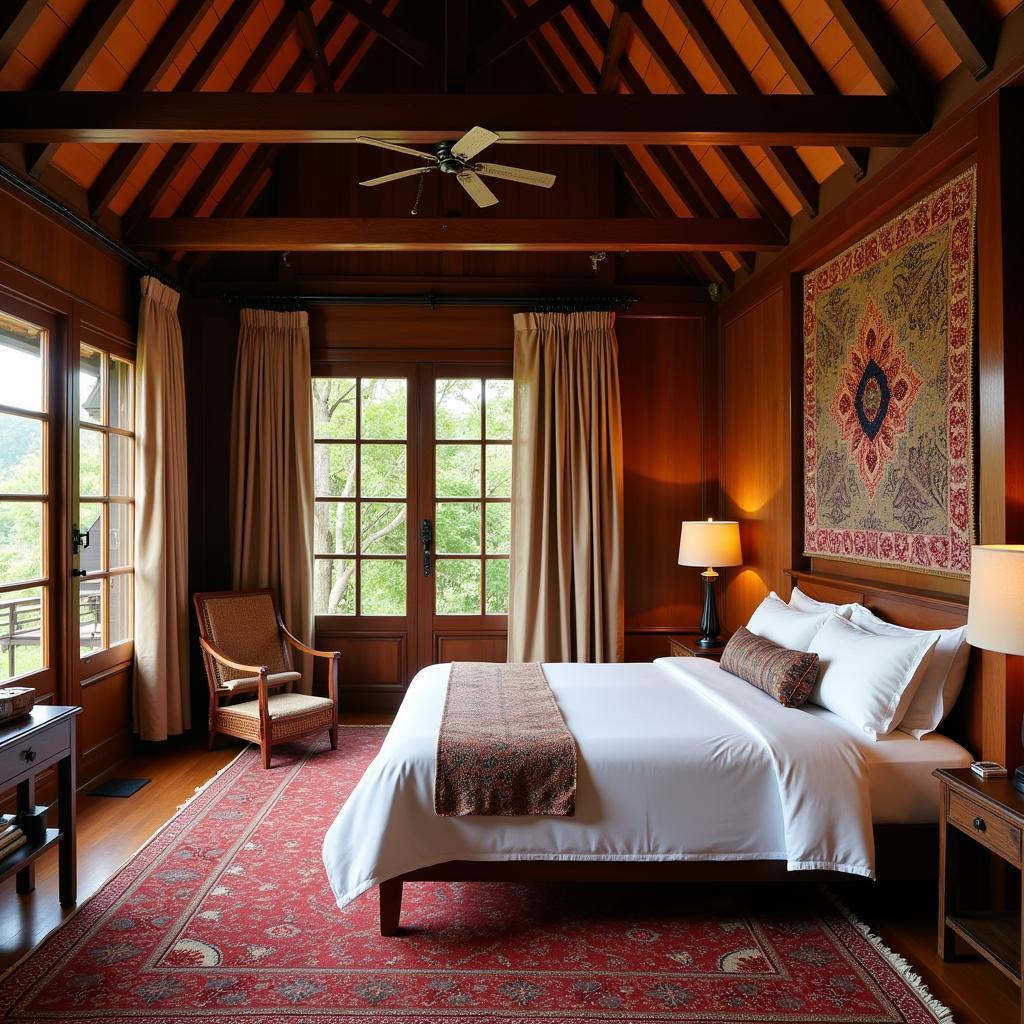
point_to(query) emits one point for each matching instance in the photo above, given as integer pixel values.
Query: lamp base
(708, 642)
(1018, 779)
(709, 619)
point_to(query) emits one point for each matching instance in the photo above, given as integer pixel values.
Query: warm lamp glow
(995, 616)
(710, 543)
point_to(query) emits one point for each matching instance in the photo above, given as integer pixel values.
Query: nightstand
(687, 647)
(990, 812)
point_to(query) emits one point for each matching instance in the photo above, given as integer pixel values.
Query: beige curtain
(272, 467)
(160, 680)
(566, 594)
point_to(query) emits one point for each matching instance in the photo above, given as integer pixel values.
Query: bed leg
(390, 905)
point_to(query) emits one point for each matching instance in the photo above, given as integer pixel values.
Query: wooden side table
(989, 812)
(687, 647)
(28, 746)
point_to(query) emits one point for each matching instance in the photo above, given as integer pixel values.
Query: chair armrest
(255, 670)
(300, 646)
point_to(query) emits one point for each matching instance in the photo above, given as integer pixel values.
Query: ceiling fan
(457, 158)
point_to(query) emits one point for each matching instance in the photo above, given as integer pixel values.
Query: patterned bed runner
(503, 747)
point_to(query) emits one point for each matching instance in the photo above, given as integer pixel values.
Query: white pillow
(776, 621)
(805, 603)
(943, 677)
(866, 678)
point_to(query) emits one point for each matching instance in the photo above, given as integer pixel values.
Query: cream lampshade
(709, 543)
(995, 615)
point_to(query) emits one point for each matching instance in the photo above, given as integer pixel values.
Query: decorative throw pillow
(777, 621)
(943, 677)
(868, 679)
(786, 675)
(805, 603)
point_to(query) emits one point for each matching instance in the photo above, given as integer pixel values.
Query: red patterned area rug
(226, 915)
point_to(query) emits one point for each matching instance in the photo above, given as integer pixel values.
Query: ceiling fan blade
(477, 189)
(408, 151)
(520, 174)
(476, 140)
(398, 174)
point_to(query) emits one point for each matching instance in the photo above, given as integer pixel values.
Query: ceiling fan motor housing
(446, 161)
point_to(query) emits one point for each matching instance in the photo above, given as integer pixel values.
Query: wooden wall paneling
(375, 667)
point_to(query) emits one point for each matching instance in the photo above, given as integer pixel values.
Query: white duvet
(678, 760)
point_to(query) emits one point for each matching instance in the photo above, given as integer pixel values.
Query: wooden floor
(111, 830)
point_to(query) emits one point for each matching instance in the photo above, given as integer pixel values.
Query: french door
(412, 471)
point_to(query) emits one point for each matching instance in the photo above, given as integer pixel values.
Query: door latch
(79, 539)
(428, 539)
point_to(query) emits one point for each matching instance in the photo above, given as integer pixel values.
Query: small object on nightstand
(990, 813)
(16, 701)
(988, 769)
(691, 647)
(711, 542)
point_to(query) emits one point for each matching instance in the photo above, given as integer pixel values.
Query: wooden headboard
(917, 609)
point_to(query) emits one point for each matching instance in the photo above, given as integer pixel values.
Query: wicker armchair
(246, 652)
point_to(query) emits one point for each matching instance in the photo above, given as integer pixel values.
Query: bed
(767, 792)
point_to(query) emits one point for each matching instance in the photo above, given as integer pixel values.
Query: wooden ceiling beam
(391, 32)
(730, 70)
(519, 29)
(423, 118)
(123, 160)
(309, 37)
(456, 45)
(69, 63)
(619, 34)
(801, 64)
(970, 31)
(453, 234)
(16, 18)
(888, 58)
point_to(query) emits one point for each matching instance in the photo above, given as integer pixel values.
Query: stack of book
(12, 837)
(16, 701)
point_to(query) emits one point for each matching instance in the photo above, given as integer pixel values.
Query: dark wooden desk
(990, 812)
(28, 746)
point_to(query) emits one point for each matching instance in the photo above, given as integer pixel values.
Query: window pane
(21, 455)
(120, 393)
(382, 468)
(334, 528)
(90, 463)
(458, 470)
(499, 471)
(334, 407)
(21, 626)
(499, 528)
(497, 586)
(334, 586)
(382, 528)
(499, 409)
(382, 591)
(21, 359)
(383, 408)
(457, 586)
(21, 541)
(90, 386)
(457, 409)
(90, 521)
(119, 544)
(458, 528)
(120, 466)
(120, 608)
(90, 615)
(334, 470)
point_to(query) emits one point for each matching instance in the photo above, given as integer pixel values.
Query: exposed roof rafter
(391, 32)
(969, 30)
(516, 31)
(16, 18)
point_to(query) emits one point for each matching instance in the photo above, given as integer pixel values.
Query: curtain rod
(87, 227)
(539, 303)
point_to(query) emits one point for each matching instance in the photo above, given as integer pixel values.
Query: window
(360, 472)
(473, 492)
(25, 509)
(105, 522)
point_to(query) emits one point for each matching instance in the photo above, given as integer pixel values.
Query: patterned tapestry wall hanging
(888, 425)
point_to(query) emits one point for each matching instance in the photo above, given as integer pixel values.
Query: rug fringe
(903, 967)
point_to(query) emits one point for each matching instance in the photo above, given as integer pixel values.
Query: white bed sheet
(676, 762)
(900, 770)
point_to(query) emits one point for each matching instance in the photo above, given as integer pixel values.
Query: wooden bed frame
(902, 852)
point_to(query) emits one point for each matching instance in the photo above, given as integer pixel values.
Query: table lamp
(710, 543)
(995, 614)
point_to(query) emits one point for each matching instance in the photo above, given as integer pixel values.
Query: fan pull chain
(419, 195)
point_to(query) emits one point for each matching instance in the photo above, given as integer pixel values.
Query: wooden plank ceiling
(745, 49)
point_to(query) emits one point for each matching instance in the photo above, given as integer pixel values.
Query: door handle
(427, 533)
